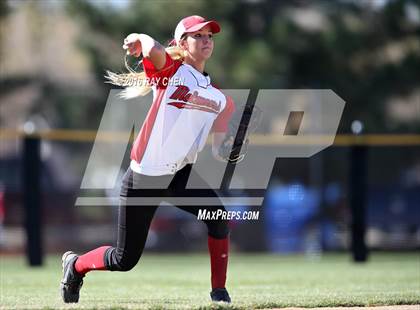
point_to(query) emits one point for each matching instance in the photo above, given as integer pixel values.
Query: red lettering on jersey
(196, 102)
(180, 92)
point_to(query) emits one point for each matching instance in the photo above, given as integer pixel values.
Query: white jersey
(180, 119)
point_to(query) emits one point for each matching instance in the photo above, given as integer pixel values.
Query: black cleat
(220, 294)
(72, 281)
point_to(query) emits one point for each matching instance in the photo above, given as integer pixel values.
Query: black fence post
(32, 198)
(358, 189)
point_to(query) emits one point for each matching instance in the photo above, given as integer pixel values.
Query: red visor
(194, 23)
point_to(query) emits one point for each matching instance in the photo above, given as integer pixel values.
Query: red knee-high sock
(93, 260)
(219, 250)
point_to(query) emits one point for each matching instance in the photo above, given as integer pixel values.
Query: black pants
(134, 221)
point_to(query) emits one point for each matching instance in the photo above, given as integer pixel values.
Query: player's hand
(133, 45)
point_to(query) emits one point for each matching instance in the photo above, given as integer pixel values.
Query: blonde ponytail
(135, 83)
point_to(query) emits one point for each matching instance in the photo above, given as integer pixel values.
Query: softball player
(175, 130)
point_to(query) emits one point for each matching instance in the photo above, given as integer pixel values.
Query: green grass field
(255, 281)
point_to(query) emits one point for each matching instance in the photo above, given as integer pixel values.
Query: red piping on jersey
(140, 145)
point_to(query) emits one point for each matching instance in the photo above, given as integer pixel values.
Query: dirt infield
(400, 307)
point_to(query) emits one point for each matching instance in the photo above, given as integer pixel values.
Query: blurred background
(53, 56)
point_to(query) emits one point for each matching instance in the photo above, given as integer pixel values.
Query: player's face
(199, 44)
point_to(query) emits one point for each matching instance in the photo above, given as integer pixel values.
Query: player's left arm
(218, 138)
(220, 128)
